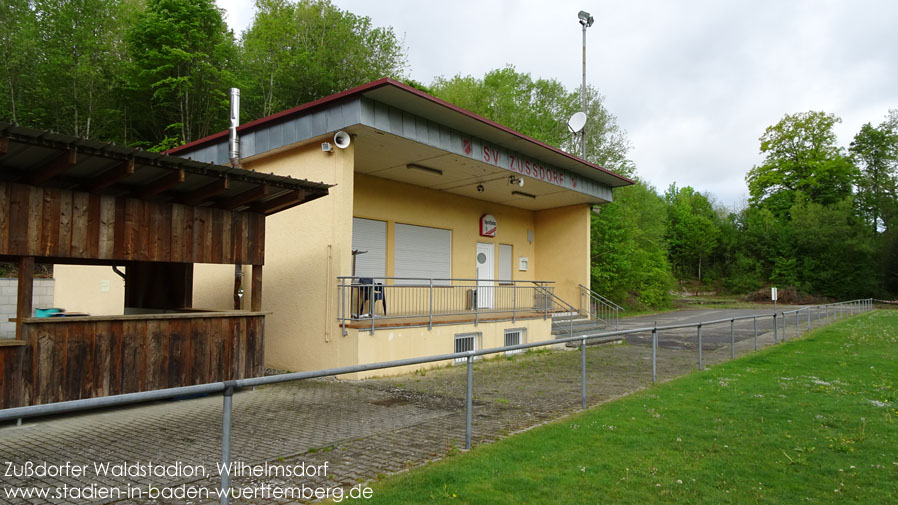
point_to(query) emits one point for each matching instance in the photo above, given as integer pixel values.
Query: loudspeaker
(341, 139)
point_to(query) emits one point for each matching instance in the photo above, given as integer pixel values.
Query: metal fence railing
(824, 314)
(407, 301)
(598, 307)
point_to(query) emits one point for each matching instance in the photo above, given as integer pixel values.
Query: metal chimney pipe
(233, 141)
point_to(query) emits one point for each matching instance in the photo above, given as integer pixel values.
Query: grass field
(810, 421)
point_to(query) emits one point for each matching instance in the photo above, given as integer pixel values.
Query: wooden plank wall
(87, 359)
(50, 222)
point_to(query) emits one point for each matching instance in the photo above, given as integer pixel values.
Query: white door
(485, 275)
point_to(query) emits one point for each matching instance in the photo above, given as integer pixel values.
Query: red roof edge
(386, 81)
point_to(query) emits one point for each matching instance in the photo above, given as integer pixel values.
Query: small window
(514, 337)
(465, 342)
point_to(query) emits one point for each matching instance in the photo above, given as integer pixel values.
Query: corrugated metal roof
(44, 158)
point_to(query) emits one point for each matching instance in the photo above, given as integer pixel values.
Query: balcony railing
(390, 302)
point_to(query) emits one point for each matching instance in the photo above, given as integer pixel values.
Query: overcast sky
(694, 83)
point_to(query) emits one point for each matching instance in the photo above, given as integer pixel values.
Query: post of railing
(797, 331)
(755, 320)
(477, 295)
(583, 373)
(733, 338)
(655, 353)
(430, 321)
(545, 302)
(700, 364)
(227, 403)
(775, 340)
(841, 307)
(371, 305)
(616, 318)
(784, 325)
(343, 306)
(809, 319)
(514, 302)
(469, 401)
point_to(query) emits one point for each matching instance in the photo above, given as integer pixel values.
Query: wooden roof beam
(245, 198)
(282, 202)
(164, 183)
(202, 194)
(115, 174)
(55, 167)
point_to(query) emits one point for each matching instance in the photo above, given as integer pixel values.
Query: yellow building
(443, 232)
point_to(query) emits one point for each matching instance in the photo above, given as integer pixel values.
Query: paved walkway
(361, 430)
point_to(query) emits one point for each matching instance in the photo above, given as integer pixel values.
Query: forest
(821, 218)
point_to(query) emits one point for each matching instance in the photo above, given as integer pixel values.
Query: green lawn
(809, 421)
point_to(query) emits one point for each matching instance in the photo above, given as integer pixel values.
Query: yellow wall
(309, 246)
(95, 290)
(306, 249)
(393, 344)
(562, 249)
(395, 202)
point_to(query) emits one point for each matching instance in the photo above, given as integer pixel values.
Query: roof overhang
(420, 121)
(40, 158)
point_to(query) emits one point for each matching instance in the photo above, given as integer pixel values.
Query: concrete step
(579, 326)
(585, 330)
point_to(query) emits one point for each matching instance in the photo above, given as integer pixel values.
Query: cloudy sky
(693, 82)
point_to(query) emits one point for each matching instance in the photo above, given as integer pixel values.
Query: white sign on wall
(487, 225)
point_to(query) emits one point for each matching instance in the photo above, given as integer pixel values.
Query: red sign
(487, 225)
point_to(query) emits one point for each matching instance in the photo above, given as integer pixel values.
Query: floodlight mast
(586, 21)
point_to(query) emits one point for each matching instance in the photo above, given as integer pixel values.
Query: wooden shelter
(66, 200)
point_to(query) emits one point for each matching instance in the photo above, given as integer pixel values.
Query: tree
(629, 253)
(18, 52)
(540, 109)
(182, 55)
(296, 52)
(875, 151)
(691, 229)
(82, 55)
(801, 156)
(835, 255)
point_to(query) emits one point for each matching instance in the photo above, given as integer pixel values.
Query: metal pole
(430, 322)
(700, 364)
(655, 353)
(583, 97)
(774, 328)
(809, 319)
(755, 319)
(227, 403)
(784, 326)
(469, 401)
(371, 305)
(343, 306)
(732, 339)
(583, 373)
(797, 331)
(514, 302)
(476, 306)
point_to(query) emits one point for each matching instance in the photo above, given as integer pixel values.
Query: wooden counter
(68, 358)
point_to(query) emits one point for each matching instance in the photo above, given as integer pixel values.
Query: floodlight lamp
(585, 19)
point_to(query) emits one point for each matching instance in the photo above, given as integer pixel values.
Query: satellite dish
(577, 122)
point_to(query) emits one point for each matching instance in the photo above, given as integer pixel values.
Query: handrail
(606, 304)
(227, 388)
(419, 301)
(426, 280)
(555, 298)
(600, 297)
